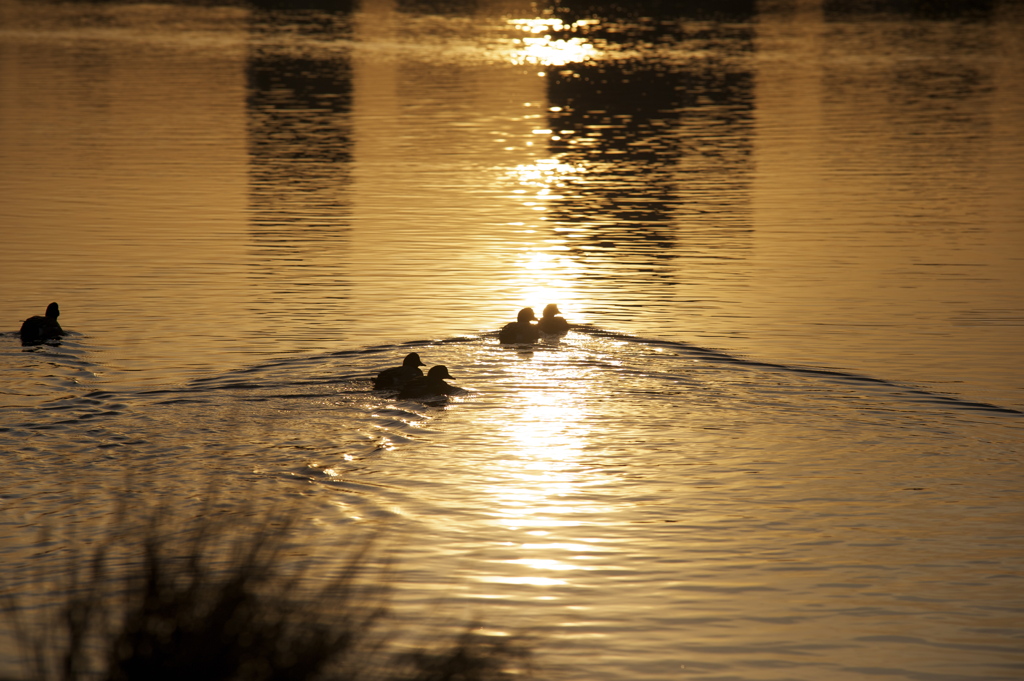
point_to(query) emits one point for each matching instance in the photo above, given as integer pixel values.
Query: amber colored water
(785, 440)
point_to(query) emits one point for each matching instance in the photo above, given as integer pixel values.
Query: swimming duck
(396, 377)
(551, 323)
(37, 329)
(431, 386)
(521, 330)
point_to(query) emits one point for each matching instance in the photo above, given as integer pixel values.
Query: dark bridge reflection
(654, 184)
(300, 147)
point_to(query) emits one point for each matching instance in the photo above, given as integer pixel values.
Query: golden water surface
(786, 441)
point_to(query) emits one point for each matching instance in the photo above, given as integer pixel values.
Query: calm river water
(785, 441)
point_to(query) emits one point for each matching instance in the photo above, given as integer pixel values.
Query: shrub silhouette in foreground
(211, 602)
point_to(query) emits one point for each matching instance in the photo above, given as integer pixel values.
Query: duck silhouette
(551, 323)
(432, 385)
(396, 377)
(39, 329)
(521, 330)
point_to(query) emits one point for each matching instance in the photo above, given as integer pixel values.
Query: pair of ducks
(524, 331)
(410, 382)
(39, 329)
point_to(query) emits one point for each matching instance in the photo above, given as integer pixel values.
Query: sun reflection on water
(538, 47)
(542, 487)
(546, 173)
(541, 491)
(545, 271)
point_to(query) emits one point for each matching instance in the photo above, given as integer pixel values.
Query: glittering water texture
(784, 440)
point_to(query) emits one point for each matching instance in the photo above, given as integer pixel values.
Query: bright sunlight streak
(543, 50)
(546, 271)
(543, 485)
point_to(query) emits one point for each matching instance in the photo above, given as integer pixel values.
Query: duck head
(52, 311)
(526, 315)
(551, 310)
(412, 360)
(439, 371)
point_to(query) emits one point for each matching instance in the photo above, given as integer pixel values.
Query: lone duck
(521, 330)
(396, 377)
(551, 323)
(35, 330)
(431, 386)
